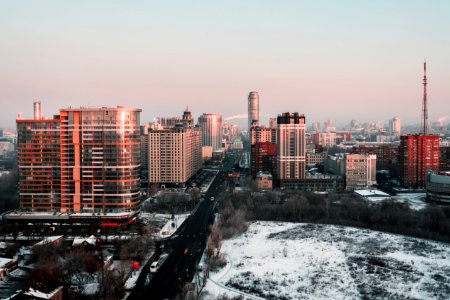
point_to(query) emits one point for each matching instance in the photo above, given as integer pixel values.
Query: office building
(211, 127)
(291, 147)
(417, 155)
(253, 109)
(360, 171)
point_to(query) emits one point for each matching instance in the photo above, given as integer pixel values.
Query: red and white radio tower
(424, 120)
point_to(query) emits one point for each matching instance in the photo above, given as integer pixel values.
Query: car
(154, 267)
(212, 198)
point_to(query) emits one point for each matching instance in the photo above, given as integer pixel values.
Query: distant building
(237, 145)
(317, 183)
(316, 158)
(175, 154)
(444, 160)
(335, 164)
(264, 181)
(211, 128)
(360, 171)
(207, 152)
(253, 109)
(387, 154)
(325, 139)
(291, 147)
(417, 155)
(438, 187)
(169, 122)
(273, 123)
(395, 126)
(6, 148)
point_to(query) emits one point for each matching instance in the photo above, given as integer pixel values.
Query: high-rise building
(211, 127)
(144, 149)
(175, 154)
(100, 159)
(291, 147)
(39, 162)
(84, 160)
(253, 109)
(395, 126)
(360, 171)
(417, 155)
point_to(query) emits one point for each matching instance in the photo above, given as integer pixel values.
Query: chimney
(37, 110)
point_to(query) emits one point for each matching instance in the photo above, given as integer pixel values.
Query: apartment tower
(175, 154)
(291, 147)
(83, 160)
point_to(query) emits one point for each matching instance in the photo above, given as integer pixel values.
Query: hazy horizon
(334, 60)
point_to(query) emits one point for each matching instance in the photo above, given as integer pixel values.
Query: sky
(338, 60)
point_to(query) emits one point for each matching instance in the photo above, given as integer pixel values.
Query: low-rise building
(438, 187)
(360, 171)
(264, 181)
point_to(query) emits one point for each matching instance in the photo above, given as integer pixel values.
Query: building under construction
(80, 166)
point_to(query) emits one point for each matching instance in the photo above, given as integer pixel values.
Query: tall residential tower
(291, 144)
(83, 160)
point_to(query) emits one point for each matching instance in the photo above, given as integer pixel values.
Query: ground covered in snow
(312, 261)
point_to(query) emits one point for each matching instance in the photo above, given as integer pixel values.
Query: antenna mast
(424, 121)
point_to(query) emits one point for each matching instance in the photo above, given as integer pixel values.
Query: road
(186, 245)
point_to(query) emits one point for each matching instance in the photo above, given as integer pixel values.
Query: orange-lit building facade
(86, 160)
(417, 154)
(39, 164)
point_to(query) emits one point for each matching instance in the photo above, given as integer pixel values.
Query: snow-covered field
(310, 261)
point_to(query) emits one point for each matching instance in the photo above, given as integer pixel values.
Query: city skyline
(324, 59)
